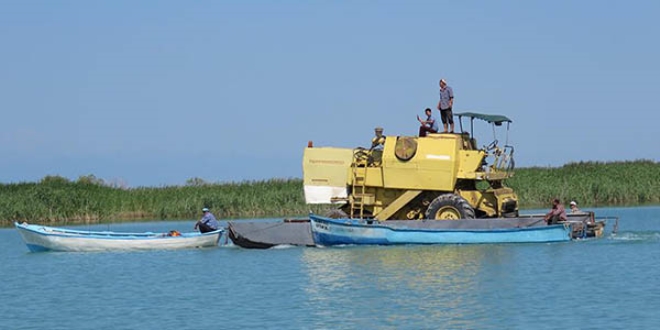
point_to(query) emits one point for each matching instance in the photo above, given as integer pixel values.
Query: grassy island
(88, 199)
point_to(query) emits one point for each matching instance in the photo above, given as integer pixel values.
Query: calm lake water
(612, 283)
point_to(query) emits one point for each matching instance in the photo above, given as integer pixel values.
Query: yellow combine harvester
(441, 176)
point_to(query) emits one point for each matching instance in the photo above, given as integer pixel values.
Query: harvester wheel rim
(448, 213)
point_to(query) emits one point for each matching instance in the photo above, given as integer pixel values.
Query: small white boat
(40, 238)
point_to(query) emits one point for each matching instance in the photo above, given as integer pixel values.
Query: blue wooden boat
(40, 238)
(328, 232)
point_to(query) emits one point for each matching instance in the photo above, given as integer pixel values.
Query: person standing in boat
(430, 125)
(556, 214)
(445, 105)
(207, 223)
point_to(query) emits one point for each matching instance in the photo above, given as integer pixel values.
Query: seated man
(430, 125)
(207, 223)
(375, 155)
(378, 142)
(556, 214)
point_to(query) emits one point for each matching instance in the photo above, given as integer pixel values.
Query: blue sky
(152, 93)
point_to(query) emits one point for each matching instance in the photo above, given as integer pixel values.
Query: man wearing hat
(377, 143)
(207, 223)
(574, 208)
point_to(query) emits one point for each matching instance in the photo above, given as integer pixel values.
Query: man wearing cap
(207, 223)
(574, 208)
(445, 104)
(377, 143)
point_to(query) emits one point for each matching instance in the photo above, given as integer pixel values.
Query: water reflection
(439, 282)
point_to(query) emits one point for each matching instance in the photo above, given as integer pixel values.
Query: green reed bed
(589, 183)
(57, 199)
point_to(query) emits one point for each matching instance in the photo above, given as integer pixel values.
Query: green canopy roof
(497, 119)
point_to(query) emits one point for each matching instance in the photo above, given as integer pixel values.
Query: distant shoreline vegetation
(55, 199)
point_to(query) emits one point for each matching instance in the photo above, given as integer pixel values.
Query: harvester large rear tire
(449, 207)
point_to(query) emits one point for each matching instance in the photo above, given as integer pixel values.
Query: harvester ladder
(358, 190)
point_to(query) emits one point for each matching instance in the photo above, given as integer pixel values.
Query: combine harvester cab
(442, 176)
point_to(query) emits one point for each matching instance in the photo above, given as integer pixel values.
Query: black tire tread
(463, 207)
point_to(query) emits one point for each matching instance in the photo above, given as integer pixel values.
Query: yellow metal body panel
(470, 163)
(504, 194)
(483, 201)
(373, 176)
(397, 204)
(489, 201)
(325, 173)
(433, 167)
(367, 198)
(327, 166)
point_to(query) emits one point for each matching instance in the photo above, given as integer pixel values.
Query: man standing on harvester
(207, 223)
(445, 104)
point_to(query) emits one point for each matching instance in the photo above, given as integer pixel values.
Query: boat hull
(42, 238)
(297, 232)
(264, 235)
(328, 232)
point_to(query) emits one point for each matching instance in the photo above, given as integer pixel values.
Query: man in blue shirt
(207, 223)
(445, 104)
(430, 125)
